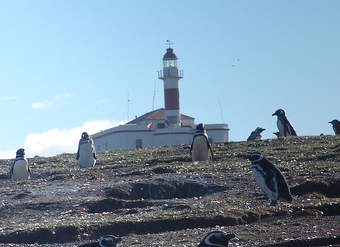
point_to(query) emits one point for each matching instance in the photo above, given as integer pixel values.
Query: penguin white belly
(20, 170)
(86, 158)
(200, 149)
(281, 127)
(260, 179)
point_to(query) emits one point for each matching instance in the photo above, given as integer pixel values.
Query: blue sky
(67, 64)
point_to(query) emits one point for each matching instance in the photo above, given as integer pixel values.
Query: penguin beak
(330, 122)
(274, 114)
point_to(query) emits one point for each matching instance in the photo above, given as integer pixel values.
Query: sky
(69, 66)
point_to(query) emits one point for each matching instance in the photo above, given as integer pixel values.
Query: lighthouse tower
(170, 76)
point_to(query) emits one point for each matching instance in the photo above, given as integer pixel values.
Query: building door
(139, 143)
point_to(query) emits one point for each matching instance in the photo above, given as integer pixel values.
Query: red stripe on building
(171, 96)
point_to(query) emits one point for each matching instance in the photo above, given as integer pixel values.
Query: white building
(165, 126)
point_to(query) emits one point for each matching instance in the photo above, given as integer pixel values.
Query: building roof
(158, 114)
(169, 55)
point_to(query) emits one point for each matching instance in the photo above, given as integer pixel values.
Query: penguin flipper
(270, 182)
(29, 171)
(293, 133)
(209, 147)
(268, 178)
(192, 144)
(212, 153)
(269, 173)
(336, 129)
(288, 128)
(77, 157)
(283, 187)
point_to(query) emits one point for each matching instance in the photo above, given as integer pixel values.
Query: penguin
(200, 146)
(256, 134)
(277, 134)
(19, 169)
(269, 178)
(104, 241)
(336, 126)
(217, 239)
(86, 155)
(285, 128)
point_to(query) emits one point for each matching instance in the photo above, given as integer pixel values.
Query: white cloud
(41, 105)
(56, 141)
(51, 102)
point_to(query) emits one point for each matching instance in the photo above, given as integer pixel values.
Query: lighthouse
(170, 76)
(163, 126)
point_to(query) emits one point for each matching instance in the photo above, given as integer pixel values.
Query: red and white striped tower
(170, 76)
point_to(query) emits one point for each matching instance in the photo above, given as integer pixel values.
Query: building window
(160, 125)
(170, 63)
(139, 143)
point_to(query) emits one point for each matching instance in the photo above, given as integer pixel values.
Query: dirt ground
(158, 197)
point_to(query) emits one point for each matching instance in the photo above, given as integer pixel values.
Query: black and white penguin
(336, 126)
(269, 178)
(285, 128)
(104, 241)
(256, 134)
(200, 146)
(108, 241)
(19, 169)
(86, 155)
(217, 239)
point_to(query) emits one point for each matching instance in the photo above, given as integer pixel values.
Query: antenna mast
(169, 43)
(154, 95)
(221, 110)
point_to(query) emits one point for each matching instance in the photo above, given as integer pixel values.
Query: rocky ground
(158, 197)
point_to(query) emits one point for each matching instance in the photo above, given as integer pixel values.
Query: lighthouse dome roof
(169, 55)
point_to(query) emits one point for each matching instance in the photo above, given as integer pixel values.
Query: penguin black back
(257, 159)
(336, 126)
(256, 134)
(200, 145)
(217, 239)
(284, 126)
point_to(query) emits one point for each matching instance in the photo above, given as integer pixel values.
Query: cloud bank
(56, 141)
(51, 102)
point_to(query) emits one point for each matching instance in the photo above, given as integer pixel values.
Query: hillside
(158, 197)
